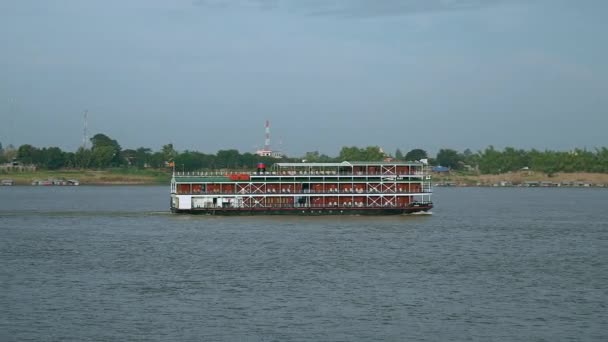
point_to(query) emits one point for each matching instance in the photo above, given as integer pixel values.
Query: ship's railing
(293, 173)
(309, 192)
(312, 206)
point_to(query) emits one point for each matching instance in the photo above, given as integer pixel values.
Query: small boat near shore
(58, 182)
(7, 182)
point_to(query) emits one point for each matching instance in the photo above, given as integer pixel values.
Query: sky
(204, 75)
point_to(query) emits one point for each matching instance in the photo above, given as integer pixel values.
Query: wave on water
(81, 213)
(423, 213)
(167, 213)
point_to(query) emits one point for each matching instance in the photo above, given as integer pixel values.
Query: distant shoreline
(93, 177)
(524, 179)
(116, 177)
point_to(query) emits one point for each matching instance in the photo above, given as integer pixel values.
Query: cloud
(222, 4)
(365, 8)
(358, 8)
(542, 61)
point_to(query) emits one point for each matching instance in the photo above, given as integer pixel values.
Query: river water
(490, 264)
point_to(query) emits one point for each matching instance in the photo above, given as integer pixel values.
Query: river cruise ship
(346, 188)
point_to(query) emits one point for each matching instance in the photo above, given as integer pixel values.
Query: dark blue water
(110, 264)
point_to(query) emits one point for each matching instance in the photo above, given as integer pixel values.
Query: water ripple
(487, 265)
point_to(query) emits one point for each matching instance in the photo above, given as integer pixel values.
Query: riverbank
(159, 177)
(94, 177)
(527, 178)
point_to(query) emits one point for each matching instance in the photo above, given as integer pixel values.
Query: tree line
(494, 161)
(106, 152)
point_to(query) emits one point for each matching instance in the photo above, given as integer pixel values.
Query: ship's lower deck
(305, 211)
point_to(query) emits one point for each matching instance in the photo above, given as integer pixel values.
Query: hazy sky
(206, 74)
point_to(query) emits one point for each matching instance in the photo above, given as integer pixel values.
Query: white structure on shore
(267, 151)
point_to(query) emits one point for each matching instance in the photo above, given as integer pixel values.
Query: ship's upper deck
(304, 172)
(346, 164)
(354, 168)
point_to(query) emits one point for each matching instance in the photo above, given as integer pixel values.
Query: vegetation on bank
(162, 177)
(522, 178)
(107, 162)
(96, 177)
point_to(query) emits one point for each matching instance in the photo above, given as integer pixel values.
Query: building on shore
(267, 151)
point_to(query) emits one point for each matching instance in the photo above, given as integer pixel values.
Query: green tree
(157, 160)
(449, 158)
(316, 157)
(188, 161)
(69, 160)
(399, 154)
(54, 158)
(512, 159)
(470, 158)
(311, 157)
(105, 150)
(373, 153)
(168, 152)
(103, 156)
(143, 156)
(83, 158)
(99, 140)
(228, 159)
(28, 154)
(2, 157)
(353, 153)
(10, 152)
(416, 154)
(489, 160)
(601, 160)
(129, 156)
(249, 159)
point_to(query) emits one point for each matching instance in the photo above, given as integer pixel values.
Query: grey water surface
(490, 264)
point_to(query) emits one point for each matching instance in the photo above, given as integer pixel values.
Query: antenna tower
(85, 132)
(267, 141)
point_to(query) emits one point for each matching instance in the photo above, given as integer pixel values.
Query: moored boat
(61, 182)
(346, 188)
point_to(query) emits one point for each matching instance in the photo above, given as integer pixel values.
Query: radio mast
(267, 141)
(85, 132)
